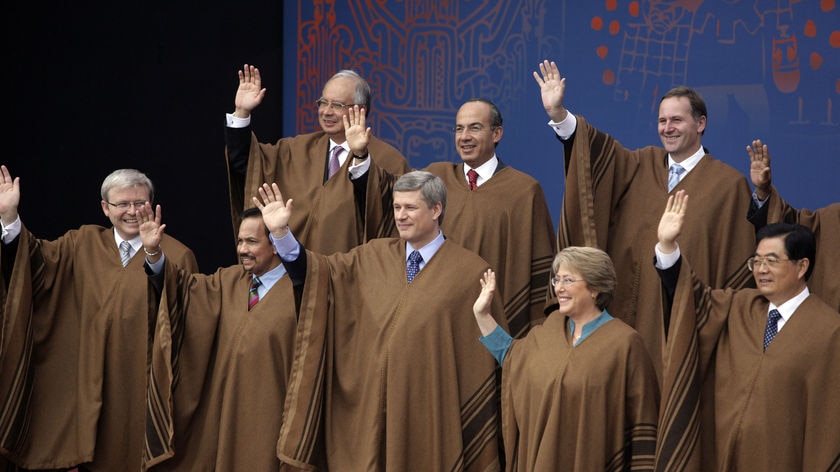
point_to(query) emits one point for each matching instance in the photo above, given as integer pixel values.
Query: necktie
(334, 164)
(770, 331)
(472, 175)
(125, 252)
(253, 296)
(674, 176)
(414, 260)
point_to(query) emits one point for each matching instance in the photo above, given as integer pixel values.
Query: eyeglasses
(555, 281)
(474, 128)
(754, 263)
(322, 103)
(126, 205)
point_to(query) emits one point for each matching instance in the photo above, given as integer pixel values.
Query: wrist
(762, 194)
(153, 252)
(242, 114)
(361, 156)
(280, 233)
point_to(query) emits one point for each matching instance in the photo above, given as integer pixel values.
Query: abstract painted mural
(768, 69)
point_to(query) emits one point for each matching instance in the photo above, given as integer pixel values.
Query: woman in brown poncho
(579, 393)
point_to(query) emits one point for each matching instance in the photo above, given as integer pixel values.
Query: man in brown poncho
(233, 341)
(751, 375)
(498, 212)
(77, 330)
(769, 207)
(613, 197)
(392, 376)
(329, 218)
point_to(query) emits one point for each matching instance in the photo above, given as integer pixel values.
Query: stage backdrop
(768, 70)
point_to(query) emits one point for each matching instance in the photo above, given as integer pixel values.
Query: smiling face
(575, 299)
(416, 222)
(256, 253)
(475, 138)
(125, 220)
(783, 281)
(679, 132)
(337, 90)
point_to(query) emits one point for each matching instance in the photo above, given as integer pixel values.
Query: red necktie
(472, 175)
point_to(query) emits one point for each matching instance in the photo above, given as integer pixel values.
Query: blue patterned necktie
(771, 329)
(674, 176)
(414, 260)
(125, 252)
(253, 295)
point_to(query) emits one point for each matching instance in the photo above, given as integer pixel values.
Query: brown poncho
(395, 369)
(728, 405)
(73, 354)
(506, 221)
(825, 224)
(614, 199)
(326, 219)
(232, 367)
(585, 408)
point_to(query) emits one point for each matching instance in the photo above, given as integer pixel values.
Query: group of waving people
(363, 331)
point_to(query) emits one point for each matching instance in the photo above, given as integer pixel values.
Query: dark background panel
(97, 87)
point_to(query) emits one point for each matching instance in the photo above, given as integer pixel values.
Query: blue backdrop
(767, 69)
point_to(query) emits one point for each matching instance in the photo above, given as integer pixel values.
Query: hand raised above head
(9, 195)
(250, 92)
(552, 89)
(760, 173)
(274, 211)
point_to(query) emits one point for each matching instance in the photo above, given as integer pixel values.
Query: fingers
(355, 116)
(249, 74)
(270, 194)
(680, 202)
(488, 280)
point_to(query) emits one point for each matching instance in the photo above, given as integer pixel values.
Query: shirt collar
(135, 243)
(485, 171)
(272, 276)
(689, 163)
(589, 327)
(427, 251)
(787, 308)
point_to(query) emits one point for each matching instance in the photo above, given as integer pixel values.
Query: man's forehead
(135, 189)
(407, 195)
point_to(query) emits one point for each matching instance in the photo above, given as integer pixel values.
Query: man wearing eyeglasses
(77, 330)
(755, 370)
(320, 170)
(768, 206)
